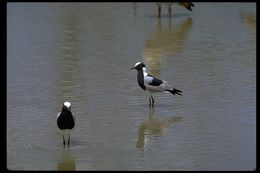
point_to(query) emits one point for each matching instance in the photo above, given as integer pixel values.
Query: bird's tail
(175, 91)
(187, 5)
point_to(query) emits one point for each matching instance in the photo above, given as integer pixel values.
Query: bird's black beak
(132, 68)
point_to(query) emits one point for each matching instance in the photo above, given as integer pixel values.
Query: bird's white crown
(136, 64)
(67, 105)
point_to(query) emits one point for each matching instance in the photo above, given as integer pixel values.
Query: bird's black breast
(65, 120)
(140, 79)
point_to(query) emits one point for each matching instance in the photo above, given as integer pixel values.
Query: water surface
(83, 52)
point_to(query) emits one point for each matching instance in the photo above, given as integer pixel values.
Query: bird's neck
(140, 73)
(144, 72)
(140, 79)
(65, 110)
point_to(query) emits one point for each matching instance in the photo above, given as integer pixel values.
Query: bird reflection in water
(163, 42)
(152, 128)
(134, 5)
(250, 21)
(66, 161)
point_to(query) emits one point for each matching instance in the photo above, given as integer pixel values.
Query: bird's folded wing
(151, 80)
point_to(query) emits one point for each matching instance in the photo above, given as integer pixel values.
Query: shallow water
(83, 52)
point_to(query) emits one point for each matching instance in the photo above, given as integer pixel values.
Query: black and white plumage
(152, 84)
(66, 121)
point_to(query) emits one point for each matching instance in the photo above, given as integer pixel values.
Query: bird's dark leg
(170, 10)
(150, 98)
(63, 140)
(69, 141)
(159, 10)
(152, 101)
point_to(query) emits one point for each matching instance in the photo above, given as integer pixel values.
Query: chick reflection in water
(153, 127)
(66, 161)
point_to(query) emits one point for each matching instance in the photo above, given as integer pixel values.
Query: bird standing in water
(152, 84)
(66, 121)
(186, 4)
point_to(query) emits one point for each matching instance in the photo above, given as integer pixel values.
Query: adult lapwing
(152, 84)
(66, 121)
